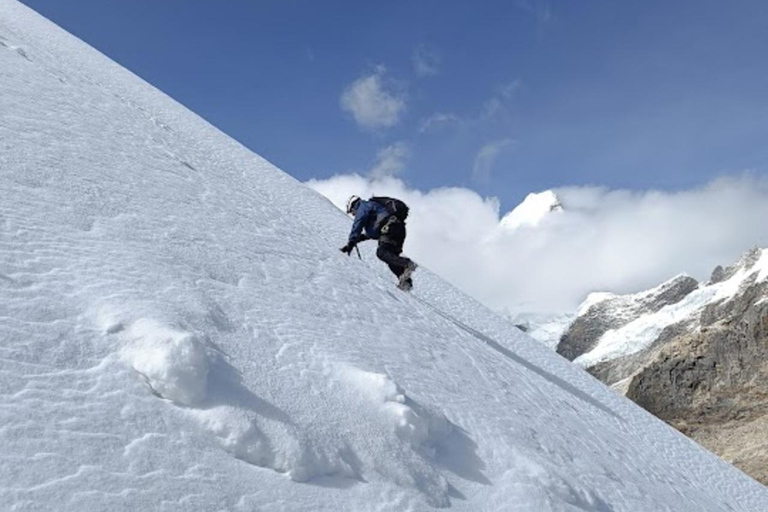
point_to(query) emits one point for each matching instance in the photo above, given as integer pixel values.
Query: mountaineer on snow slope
(382, 219)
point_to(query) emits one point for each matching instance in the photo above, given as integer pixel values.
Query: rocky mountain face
(695, 355)
(603, 312)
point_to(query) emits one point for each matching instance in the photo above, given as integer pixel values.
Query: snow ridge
(645, 329)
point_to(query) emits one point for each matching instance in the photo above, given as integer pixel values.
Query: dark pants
(389, 253)
(391, 246)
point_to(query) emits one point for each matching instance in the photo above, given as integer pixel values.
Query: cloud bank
(604, 240)
(373, 102)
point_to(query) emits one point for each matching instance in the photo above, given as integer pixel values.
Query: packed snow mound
(409, 421)
(533, 210)
(180, 332)
(174, 363)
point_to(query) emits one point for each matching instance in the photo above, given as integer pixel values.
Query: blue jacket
(368, 217)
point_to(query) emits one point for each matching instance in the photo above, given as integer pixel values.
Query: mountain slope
(608, 325)
(693, 355)
(180, 332)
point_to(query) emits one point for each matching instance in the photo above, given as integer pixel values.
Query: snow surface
(544, 328)
(534, 208)
(761, 265)
(642, 332)
(179, 331)
(592, 299)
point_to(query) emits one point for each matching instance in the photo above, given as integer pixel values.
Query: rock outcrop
(706, 373)
(603, 312)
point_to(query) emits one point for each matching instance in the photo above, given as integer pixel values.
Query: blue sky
(503, 97)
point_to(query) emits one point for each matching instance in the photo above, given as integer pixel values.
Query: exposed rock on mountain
(602, 312)
(696, 357)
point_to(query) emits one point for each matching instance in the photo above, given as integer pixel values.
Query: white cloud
(500, 104)
(501, 101)
(436, 120)
(390, 161)
(373, 102)
(541, 10)
(481, 171)
(610, 240)
(426, 60)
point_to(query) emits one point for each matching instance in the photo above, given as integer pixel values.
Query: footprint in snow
(17, 49)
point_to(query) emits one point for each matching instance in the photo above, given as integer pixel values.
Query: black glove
(348, 248)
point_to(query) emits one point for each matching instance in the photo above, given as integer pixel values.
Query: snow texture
(762, 267)
(179, 331)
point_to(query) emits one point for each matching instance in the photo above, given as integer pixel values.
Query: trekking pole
(358, 253)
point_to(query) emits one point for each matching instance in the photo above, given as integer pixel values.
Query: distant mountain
(597, 330)
(693, 354)
(546, 328)
(533, 209)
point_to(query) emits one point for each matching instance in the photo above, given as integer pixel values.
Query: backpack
(394, 206)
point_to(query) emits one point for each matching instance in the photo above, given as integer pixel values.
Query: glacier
(179, 331)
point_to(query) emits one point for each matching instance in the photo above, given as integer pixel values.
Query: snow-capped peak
(686, 304)
(534, 208)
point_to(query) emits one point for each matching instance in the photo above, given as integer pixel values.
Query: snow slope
(178, 331)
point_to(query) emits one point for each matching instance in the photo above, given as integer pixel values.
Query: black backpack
(394, 206)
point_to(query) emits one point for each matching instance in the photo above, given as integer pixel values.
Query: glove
(348, 249)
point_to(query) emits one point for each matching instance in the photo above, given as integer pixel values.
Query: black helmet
(352, 204)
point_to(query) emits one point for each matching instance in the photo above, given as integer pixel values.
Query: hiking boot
(405, 282)
(406, 285)
(409, 269)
